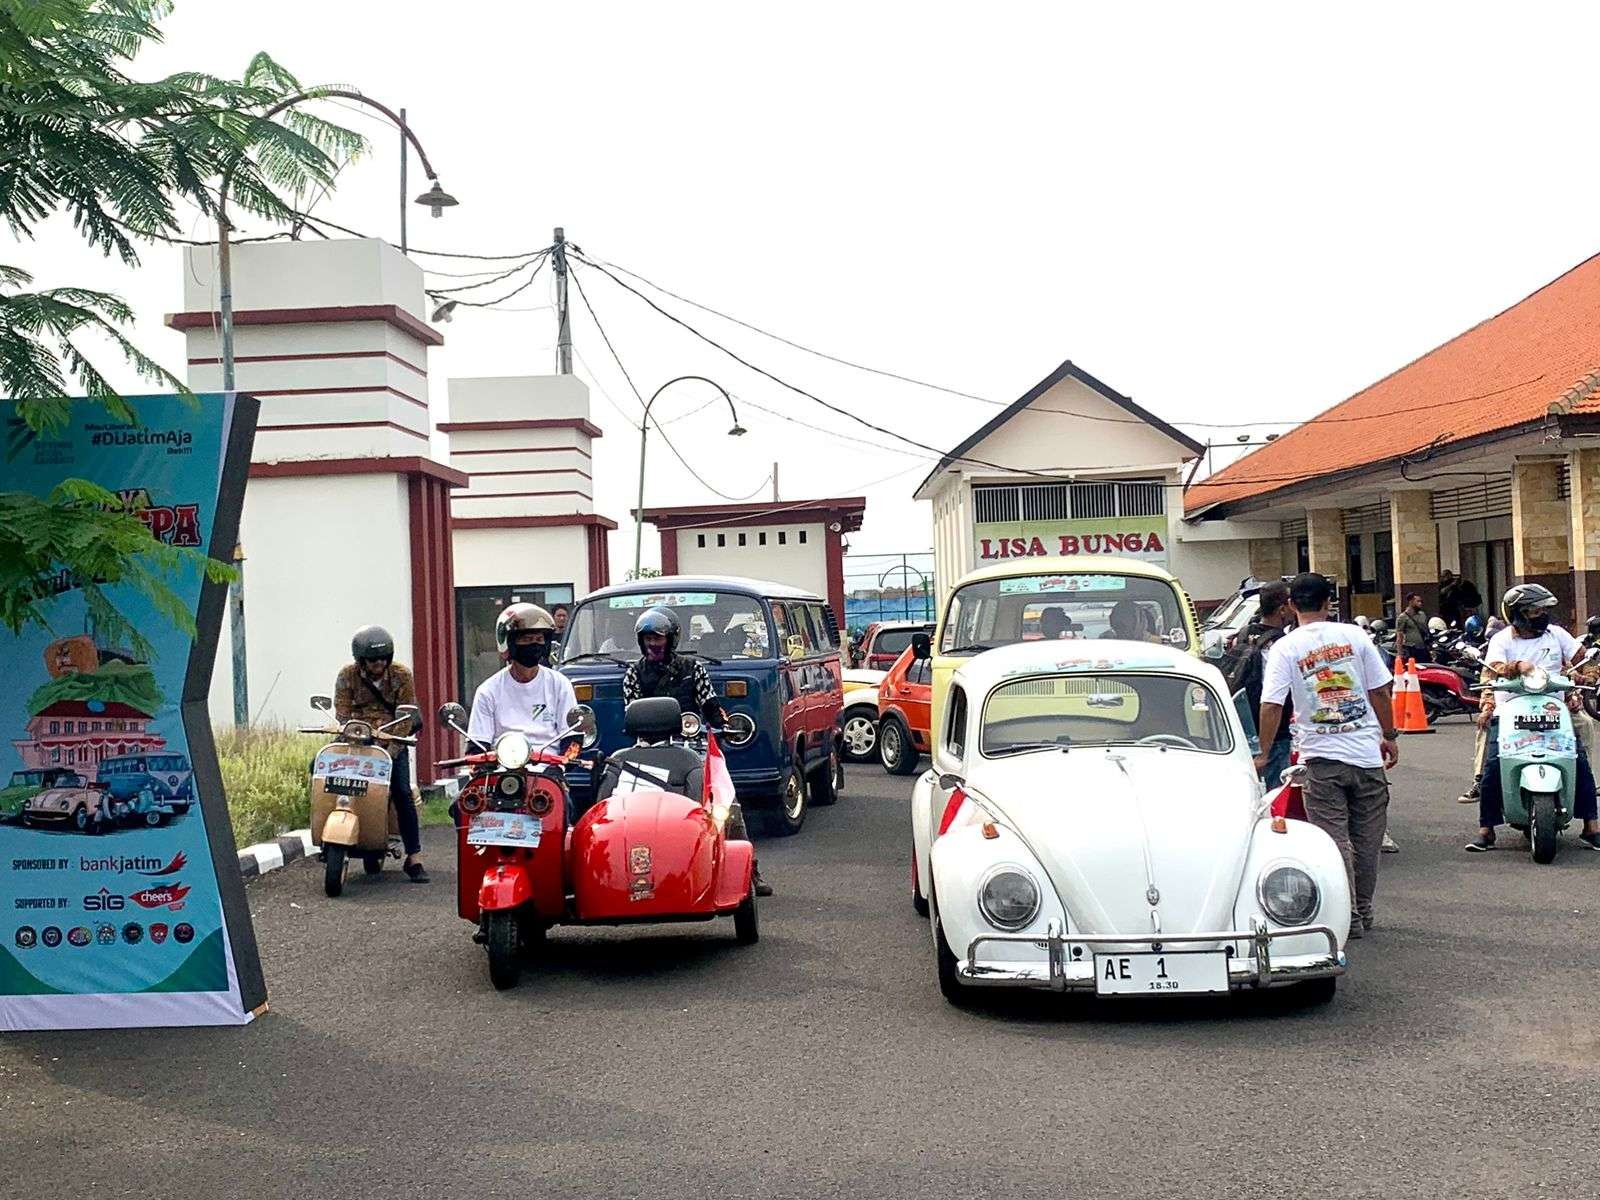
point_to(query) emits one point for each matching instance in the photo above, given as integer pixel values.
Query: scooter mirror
(740, 730)
(407, 712)
(1292, 776)
(322, 703)
(453, 716)
(582, 720)
(949, 782)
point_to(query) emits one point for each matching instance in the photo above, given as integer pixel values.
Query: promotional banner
(121, 902)
(1144, 538)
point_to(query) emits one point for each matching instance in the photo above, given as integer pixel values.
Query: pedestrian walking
(1244, 667)
(1344, 729)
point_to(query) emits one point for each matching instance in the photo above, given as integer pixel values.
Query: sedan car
(858, 716)
(1093, 823)
(24, 785)
(904, 700)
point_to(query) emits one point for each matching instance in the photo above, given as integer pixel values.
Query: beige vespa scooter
(350, 813)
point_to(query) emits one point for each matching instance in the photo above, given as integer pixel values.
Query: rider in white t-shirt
(527, 695)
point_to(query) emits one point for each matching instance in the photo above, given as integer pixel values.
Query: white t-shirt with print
(1553, 649)
(1329, 667)
(538, 708)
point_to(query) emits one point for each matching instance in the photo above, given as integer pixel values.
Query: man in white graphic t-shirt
(527, 695)
(1343, 729)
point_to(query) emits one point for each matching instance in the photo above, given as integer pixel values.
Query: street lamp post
(435, 198)
(738, 430)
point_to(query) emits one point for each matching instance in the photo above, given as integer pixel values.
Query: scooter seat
(684, 773)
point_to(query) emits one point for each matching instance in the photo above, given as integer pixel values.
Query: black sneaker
(416, 872)
(1481, 844)
(1590, 841)
(763, 888)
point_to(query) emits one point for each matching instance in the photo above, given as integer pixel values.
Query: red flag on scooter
(718, 781)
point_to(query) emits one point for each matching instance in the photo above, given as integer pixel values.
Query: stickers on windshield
(1087, 664)
(1034, 584)
(664, 599)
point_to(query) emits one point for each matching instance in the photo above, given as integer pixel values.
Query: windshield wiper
(715, 662)
(1029, 748)
(605, 654)
(974, 648)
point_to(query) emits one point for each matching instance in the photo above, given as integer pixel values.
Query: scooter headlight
(1288, 894)
(691, 725)
(512, 750)
(1008, 898)
(1536, 680)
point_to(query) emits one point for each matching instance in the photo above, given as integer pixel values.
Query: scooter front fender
(342, 828)
(504, 886)
(1540, 778)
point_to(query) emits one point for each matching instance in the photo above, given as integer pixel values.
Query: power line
(521, 287)
(467, 287)
(615, 357)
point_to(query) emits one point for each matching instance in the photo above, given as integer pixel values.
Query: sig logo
(166, 895)
(184, 933)
(104, 901)
(27, 937)
(51, 936)
(80, 935)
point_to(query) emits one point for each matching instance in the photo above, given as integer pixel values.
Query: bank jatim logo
(167, 895)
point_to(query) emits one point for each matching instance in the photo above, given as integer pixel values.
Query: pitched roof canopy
(1538, 359)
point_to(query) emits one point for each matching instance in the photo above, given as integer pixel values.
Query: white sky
(1228, 212)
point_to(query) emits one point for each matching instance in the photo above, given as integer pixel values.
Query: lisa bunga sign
(1144, 538)
(121, 902)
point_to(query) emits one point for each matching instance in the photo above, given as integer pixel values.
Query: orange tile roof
(1512, 369)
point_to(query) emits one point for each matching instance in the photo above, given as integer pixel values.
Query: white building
(1074, 468)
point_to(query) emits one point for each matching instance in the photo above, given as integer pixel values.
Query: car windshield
(716, 624)
(893, 641)
(1226, 611)
(1059, 712)
(168, 762)
(999, 612)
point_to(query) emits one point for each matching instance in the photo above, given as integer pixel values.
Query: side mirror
(453, 716)
(408, 712)
(581, 720)
(921, 646)
(950, 781)
(739, 731)
(322, 703)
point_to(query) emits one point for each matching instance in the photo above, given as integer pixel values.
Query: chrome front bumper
(1062, 972)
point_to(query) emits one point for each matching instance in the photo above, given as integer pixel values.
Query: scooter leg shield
(342, 828)
(1540, 777)
(504, 887)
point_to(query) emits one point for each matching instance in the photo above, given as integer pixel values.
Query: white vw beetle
(1093, 822)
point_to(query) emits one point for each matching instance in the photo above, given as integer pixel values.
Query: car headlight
(1288, 894)
(1008, 898)
(1536, 680)
(512, 750)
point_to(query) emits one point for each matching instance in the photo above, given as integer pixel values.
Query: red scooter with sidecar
(649, 851)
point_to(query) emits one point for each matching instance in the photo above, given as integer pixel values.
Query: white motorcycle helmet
(1437, 625)
(1363, 622)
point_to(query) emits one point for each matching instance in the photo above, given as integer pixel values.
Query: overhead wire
(615, 357)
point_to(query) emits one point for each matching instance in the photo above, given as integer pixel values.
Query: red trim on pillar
(433, 624)
(599, 539)
(669, 551)
(835, 572)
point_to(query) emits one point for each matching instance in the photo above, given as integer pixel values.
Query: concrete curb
(269, 856)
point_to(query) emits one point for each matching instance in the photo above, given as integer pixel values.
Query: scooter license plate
(504, 829)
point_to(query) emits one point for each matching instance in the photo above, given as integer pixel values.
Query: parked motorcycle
(1449, 682)
(1538, 757)
(350, 813)
(654, 852)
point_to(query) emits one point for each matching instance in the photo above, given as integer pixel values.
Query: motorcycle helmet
(370, 643)
(1363, 622)
(1437, 625)
(659, 621)
(1592, 625)
(516, 618)
(1527, 607)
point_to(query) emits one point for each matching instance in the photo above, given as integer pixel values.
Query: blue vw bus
(148, 787)
(773, 654)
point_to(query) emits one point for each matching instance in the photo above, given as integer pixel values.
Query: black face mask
(1536, 624)
(529, 654)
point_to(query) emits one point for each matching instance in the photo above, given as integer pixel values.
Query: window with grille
(1046, 502)
(1094, 500)
(991, 504)
(1067, 501)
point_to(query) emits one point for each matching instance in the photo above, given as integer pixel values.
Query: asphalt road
(1460, 1057)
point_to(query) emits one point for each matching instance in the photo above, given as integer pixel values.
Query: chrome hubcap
(793, 798)
(891, 744)
(860, 734)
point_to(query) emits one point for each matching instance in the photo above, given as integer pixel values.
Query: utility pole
(241, 675)
(774, 483)
(558, 257)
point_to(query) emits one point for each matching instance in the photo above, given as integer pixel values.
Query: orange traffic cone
(1409, 714)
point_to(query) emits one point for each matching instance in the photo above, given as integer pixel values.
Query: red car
(905, 704)
(883, 641)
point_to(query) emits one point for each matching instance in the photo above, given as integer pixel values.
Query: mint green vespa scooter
(1538, 757)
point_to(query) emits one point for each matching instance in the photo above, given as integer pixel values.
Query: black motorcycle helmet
(662, 622)
(1527, 607)
(371, 643)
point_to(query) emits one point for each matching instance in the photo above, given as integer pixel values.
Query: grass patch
(266, 775)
